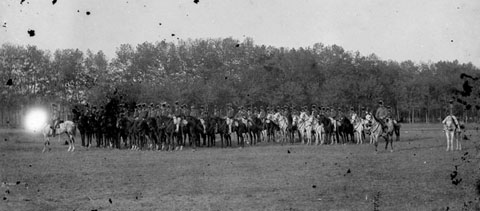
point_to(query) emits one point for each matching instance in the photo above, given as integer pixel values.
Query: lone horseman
(55, 118)
(382, 114)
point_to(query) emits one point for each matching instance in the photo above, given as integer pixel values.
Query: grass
(416, 176)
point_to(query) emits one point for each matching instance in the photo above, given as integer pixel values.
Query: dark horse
(241, 129)
(346, 130)
(328, 127)
(210, 130)
(169, 139)
(123, 126)
(193, 128)
(222, 129)
(254, 129)
(271, 129)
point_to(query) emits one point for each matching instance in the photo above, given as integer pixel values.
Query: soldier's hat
(249, 109)
(94, 107)
(168, 105)
(87, 105)
(176, 103)
(451, 101)
(314, 106)
(164, 104)
(351, 108)
(151, 104)
(158, 106)
(184, 106)
(380, 102)
(192, 107)
(388, 107)
(363, 107)
(202, 107)
(339, 108)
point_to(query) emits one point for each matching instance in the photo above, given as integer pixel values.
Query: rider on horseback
(381, 114)
(55, 118)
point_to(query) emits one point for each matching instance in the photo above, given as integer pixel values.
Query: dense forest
(219, 71)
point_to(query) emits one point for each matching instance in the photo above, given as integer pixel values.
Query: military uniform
(381, 114)
(263, 114)
(216, 111)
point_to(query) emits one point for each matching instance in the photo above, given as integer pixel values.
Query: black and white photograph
(239, 105)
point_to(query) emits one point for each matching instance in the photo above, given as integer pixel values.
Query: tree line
(221, 71)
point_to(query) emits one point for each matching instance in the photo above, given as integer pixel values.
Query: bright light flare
(35, 119)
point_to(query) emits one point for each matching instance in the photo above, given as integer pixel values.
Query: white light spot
(35, 119)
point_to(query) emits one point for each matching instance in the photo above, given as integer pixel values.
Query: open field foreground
(418, 175)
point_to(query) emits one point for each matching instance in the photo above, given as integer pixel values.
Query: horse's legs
(458, 138)
(447, 133)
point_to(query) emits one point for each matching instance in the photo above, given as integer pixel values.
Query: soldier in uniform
(333, 114)
(193, 111)
(55, 118)
(263, 114)
(314, 111)
(340, 114)
(352, 114)
(151, 111)
(381, 114)
(216, 111)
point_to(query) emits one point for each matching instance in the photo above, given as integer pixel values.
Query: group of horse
(164, 133)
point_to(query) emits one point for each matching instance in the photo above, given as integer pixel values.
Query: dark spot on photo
(196, 1)
(88, 13)
(288, 151)
(18, 182)
(4, 198)
(21, 1)
(173, 35)
(54, 1)
(237, 45)
(31, 32)
(314, 186)
(110, 200)
(78, 10)
(226, 77)
(159, 24)
(451, 40)
(7, 191)
(4, 24)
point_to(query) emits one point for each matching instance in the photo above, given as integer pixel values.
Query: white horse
(358, 127)
(305, 127)
(319, 132)
(452, 131)
(67, 127)
(282, 122)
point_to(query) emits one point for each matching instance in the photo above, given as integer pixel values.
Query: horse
(328, 129)
(241, 129)
(377, 130)
(358, 128)
(282, 123)
(305, 127)
(123, 125)
(66, 127)
(224, 131)
(319, 131)
(452, 131)
(271, 127)
(346, 130)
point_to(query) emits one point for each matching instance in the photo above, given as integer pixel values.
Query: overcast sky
(418, 30)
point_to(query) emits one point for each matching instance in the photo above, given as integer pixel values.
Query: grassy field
(418, 175)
